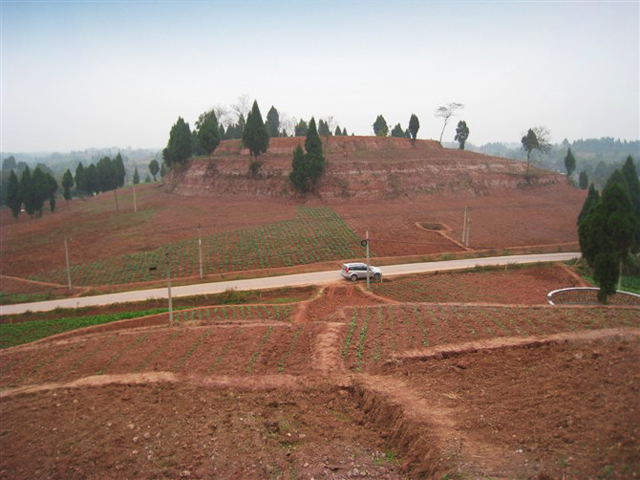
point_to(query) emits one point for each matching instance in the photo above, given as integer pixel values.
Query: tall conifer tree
(255, 135)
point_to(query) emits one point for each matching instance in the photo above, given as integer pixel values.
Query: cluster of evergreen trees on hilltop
(214, 125)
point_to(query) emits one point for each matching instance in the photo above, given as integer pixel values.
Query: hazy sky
(80, 74)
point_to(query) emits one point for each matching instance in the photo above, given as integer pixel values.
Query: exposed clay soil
(523, 286)
(350, 384)
(566, 410)
(168, 430)
(505, 214)
(275, 399)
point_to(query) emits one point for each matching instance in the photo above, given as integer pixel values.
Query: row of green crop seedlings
(438, 324)
(311, 237)
(280, 313)
(316, 234)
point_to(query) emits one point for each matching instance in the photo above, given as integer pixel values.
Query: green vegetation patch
(12, 334)
(316, 234)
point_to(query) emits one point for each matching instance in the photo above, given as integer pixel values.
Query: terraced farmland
(230, 349)
(316, 234)
(375, 333)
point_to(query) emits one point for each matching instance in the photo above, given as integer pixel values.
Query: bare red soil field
(347, 385)
(505, 214)
(439, 376)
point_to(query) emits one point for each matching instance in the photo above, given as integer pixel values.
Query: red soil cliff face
(357, 167)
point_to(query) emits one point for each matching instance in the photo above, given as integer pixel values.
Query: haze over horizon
(93, 74)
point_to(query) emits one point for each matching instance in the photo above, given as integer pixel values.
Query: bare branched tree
(242, 106)
(446, 113)
(537, 138)
(222, 114)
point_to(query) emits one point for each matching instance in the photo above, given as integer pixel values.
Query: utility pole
(467, 226)
(367, 240)
(200, 249)
(66, 257)
(169, 288)
(464, 225)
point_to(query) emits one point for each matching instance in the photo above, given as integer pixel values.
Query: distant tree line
(30, 192)
(596, 159)
(381, 129)
(108, 174)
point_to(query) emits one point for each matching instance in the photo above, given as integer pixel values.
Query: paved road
(315, 278)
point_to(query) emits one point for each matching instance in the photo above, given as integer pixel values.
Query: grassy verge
(12, 298)
(25, 332)
(629, 283)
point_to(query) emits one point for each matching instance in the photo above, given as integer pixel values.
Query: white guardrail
(635, 297)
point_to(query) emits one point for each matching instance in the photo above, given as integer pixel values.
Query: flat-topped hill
(357, 167)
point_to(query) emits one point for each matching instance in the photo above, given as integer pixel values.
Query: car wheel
(377, 277)
(354, 277)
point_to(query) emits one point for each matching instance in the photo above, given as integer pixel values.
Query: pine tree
(593, 197)
(81, 180)
(118, 171)
(13, 195)
(606, 236)
(323, 128)
(630, 175)
(273, 122)
(136, 176)
(462, 133)
(180, 145)
(40, 190)
(301, 129)
(414, 126)
(255, 136)
(93, 181)
(397, 131)
(53, 188)
(315, 158)
(583, 180)
(154, 168)
(208, 132)
(380, 128)
(106, 174)
(26, 192)
(299, 174)
(569, 163)
(67, 185)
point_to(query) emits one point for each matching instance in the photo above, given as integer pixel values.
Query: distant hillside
(598, 157)
(358, 167)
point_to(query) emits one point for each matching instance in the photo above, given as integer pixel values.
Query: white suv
(354, 271)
